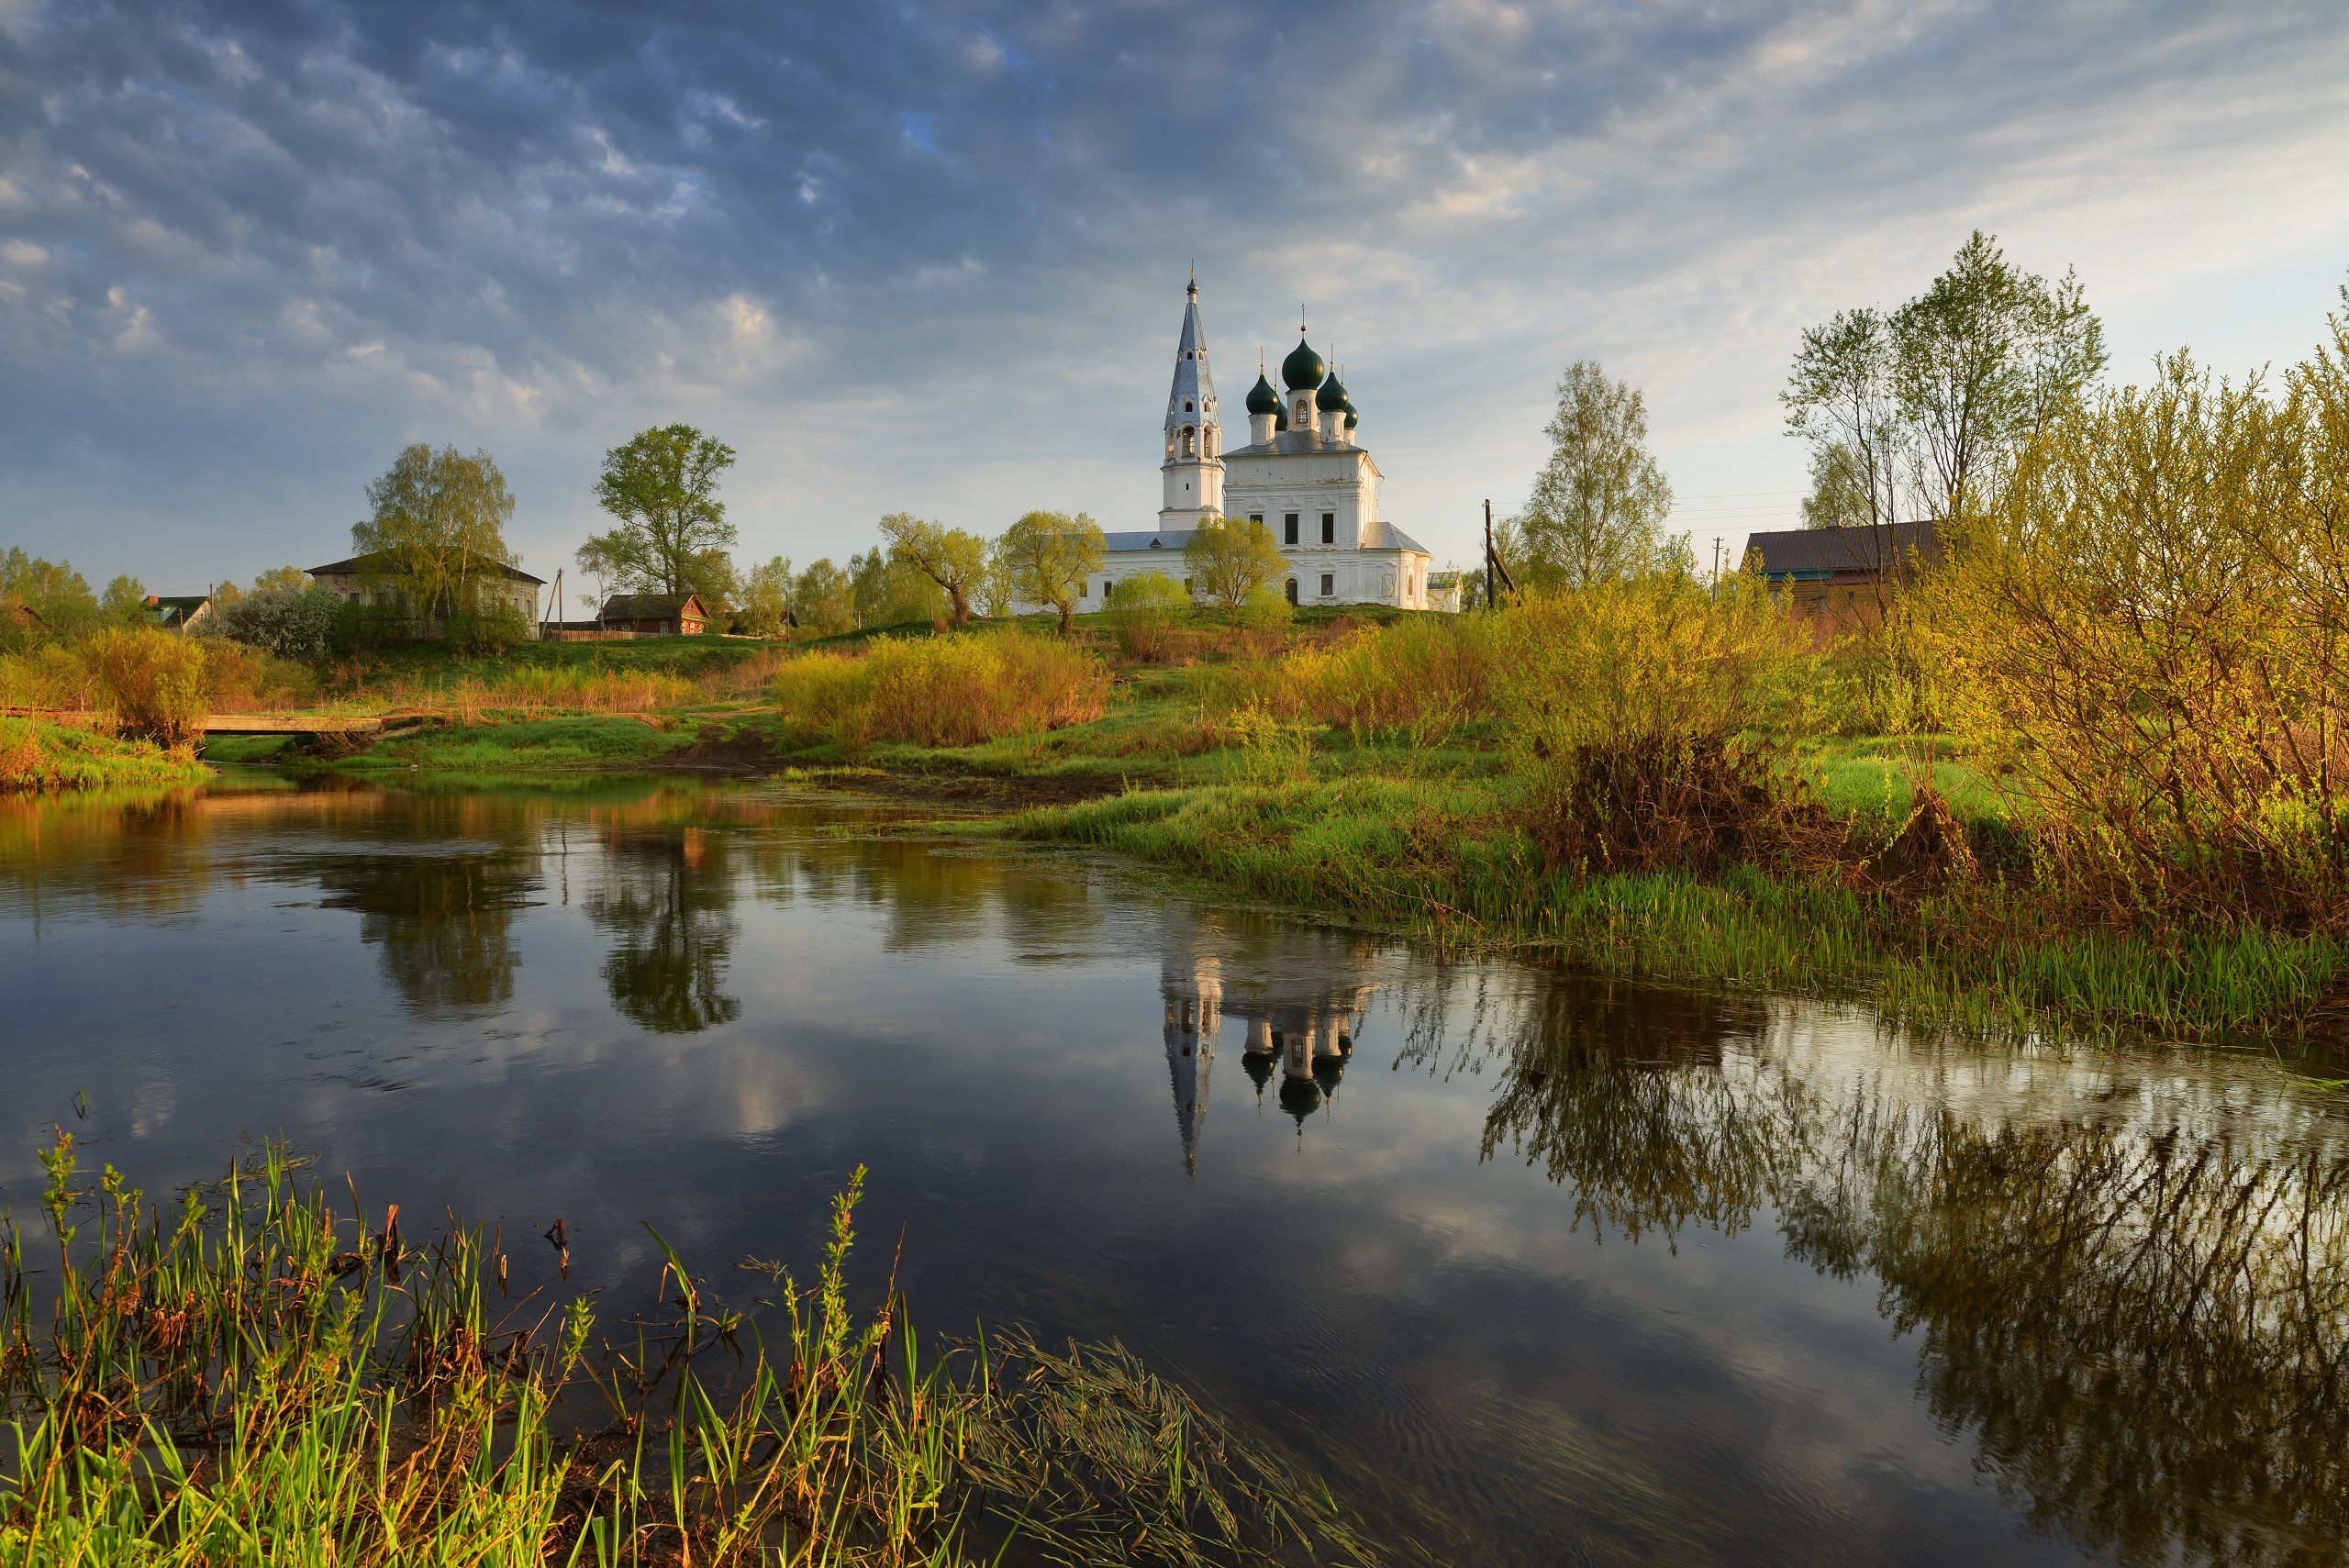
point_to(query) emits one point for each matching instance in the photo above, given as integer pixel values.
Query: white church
(1302, 475)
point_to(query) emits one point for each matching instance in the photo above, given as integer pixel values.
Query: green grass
(431, 665)
(248, 1375)
(1433, 857)
(35, 756)
(532, 745)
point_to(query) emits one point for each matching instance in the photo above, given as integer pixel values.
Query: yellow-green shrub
(1422, 678)
(2149, 627)
(940, 691)
(1143, 612)
(152, 682)
(1650, 720)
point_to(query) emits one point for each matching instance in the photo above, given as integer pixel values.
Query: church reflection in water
(1301, 993)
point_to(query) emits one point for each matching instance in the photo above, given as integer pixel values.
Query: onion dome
(1352, 419)
(1303, 367)
(1280, 418)
(1332, 398)
(1261, 398)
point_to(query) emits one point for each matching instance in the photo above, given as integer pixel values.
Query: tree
(766, 598)
(824, 600)
(663, 486)
(436, 525)
(1230, 558)
(291, 622)
(892, 593)
(291, 578)
(1597, 508)
(1143, 612)
(1926, 407)
(1046, 557)
(1840, 489)
(949, 557)
(50, 589)
(1985, 358)
(124, 602)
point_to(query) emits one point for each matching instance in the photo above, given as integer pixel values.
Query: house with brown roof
(1825, 571)
(654, 615)
(369, 579)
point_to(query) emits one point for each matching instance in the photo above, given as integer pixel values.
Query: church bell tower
(1193, 469)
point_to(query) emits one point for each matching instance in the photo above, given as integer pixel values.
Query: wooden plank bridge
(235, 723)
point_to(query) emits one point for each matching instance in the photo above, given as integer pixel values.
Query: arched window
(1292, 590)
(1190, 441)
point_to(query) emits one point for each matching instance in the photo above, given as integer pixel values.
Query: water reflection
(2141, 1327)
(1300, 994)
(1854, 1297)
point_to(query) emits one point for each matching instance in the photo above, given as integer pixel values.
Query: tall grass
(35, 756)
(248, 1376)
(939, 691)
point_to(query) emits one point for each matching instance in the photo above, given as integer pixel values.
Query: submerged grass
(246, 1376)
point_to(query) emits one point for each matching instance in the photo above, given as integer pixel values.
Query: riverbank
(1364, 777)
(251, 1373)
(37, 756)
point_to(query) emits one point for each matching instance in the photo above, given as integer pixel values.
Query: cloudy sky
(930, 256)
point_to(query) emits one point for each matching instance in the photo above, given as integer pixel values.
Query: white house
(1303, 475)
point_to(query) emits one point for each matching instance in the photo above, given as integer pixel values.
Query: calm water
(1541, 1270)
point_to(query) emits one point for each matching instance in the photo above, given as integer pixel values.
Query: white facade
(1303, 475)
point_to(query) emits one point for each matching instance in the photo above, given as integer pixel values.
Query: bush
(1143, 613)
(289, 623)
(1650, 721)
(368, 628)
(2149, 631)
(152, 682)
(1421, 678)
(940, 691)
(1266, 612)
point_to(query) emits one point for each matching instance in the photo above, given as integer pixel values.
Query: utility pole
(1716, 568)
(1490, 559)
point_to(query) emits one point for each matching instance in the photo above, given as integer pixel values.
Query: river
(1535, 1268)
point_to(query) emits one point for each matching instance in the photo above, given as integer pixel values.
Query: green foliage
(51, 590)
(1229, 559)
(942, 691)
(823, 598)
(36, 757)
(488, 628)
(1045, 557)
(124, 603)
(1267, 610)
(436, 526)
(955, 561)
(765, 609)
(1649, 720)
(294, 623)
(1919, 412)
(374, 1407)
(1143, 612)
(1599, 505)
(671, 532)
(152, 682)
(891, 592)
(2149, 627)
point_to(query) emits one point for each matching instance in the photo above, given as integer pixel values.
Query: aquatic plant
(246, 1376)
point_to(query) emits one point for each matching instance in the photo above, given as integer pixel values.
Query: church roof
(1191, 400)
(1147, 539)
(1303, 367)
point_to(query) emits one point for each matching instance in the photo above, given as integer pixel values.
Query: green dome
(1332, 398)
(1280, 418)
(1303, 367)
(1261, 398)
(1352, 419)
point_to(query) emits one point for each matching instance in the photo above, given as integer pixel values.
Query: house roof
(649, 607)
(1147, 539)
(1822, 552)
(360, 565)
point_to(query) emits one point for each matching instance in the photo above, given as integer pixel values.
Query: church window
(1186, 406)
(1190, 438)
(1292, 590)
(1085, 588)
(1255, 516)
(1329, 528)
(1288, 526)
(1328, 584)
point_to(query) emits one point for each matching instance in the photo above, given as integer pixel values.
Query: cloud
(555, 222)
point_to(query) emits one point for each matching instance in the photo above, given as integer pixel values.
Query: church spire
(1194, 463)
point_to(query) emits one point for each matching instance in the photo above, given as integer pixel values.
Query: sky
(931, 257)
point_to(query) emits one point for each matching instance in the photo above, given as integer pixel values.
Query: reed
(247, 1376)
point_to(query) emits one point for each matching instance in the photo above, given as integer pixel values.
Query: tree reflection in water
(2144, 1330)
(663, 895)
